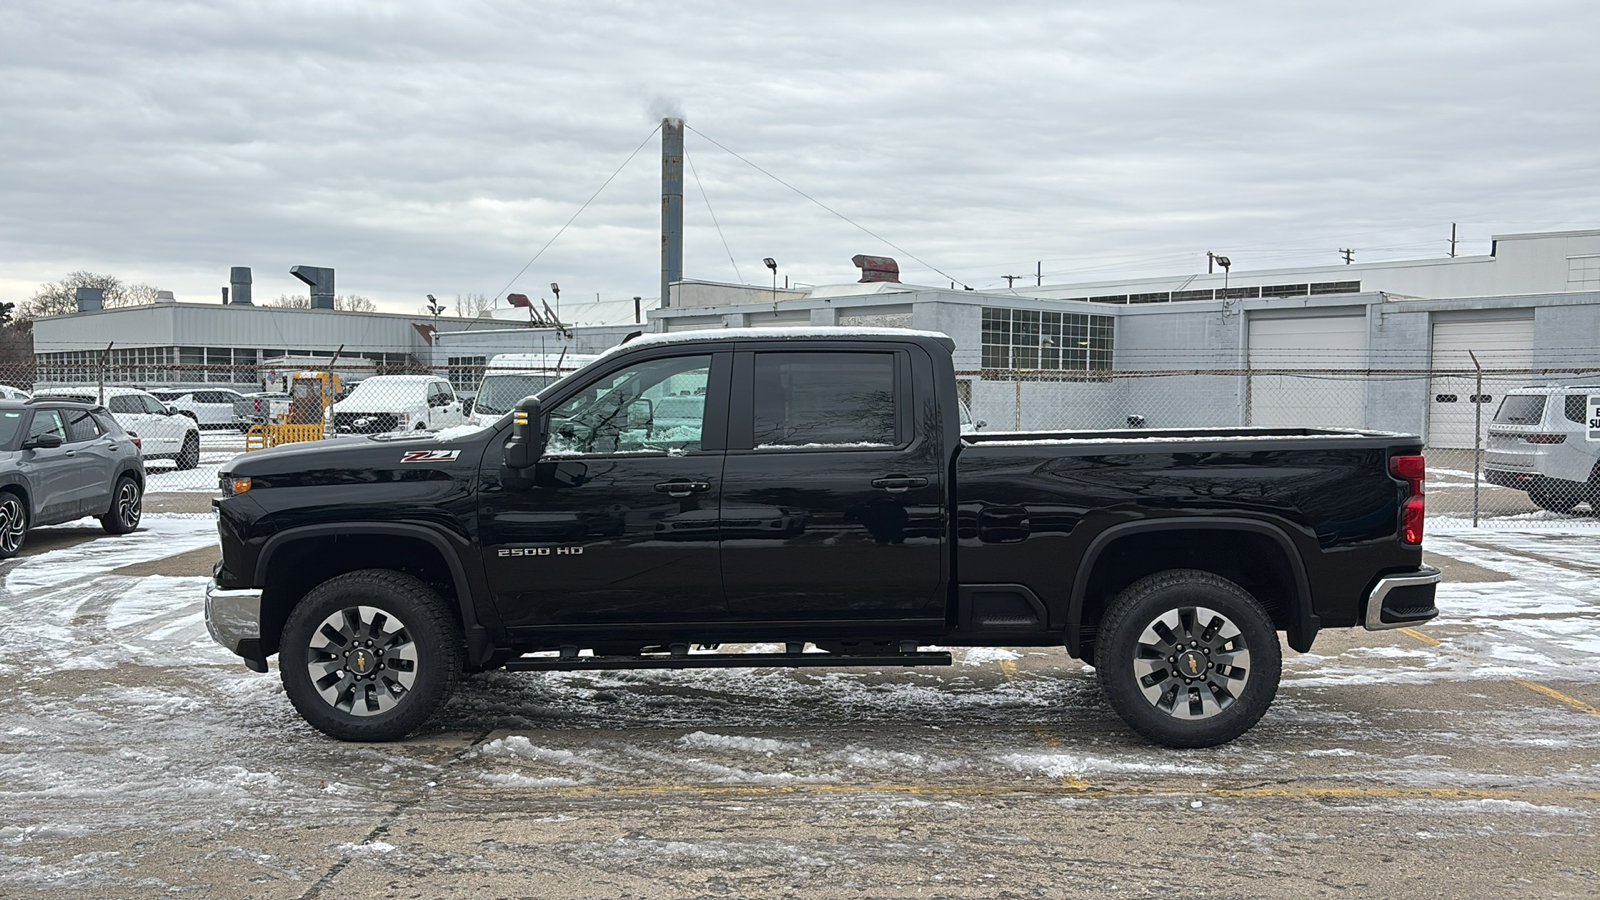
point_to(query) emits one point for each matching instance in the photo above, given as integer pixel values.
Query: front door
(833, 495)
(617, 523)
(53, 471)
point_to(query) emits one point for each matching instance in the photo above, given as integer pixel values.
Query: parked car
(164, 434)
(61, 461)
(1538, 442)
(511, 376)
(7, 392)
(259, 408)
(397, 403)
(826, 495)
(211, 408)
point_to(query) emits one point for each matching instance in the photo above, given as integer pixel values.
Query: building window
(1583, 273)
(466, 372)
(1047, 341)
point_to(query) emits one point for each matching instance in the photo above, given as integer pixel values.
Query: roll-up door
(1500, 344)
(1319, 394)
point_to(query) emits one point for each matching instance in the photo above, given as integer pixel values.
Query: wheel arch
(297, 559)
(1124, 553)
(18, 487)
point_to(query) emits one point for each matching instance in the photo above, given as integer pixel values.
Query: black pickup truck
(810, 489)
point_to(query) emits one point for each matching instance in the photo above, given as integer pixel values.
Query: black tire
(13, 523)
(1225, 635)
(1556, 498)
(127, 507)
(370, 697)
(189, 456)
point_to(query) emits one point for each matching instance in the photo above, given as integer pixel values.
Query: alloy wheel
(13, 524)
(1192, 662)
(362, 661)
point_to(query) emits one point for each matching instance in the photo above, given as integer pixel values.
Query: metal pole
(1477, 436)
(1017, 380)
(100, 375)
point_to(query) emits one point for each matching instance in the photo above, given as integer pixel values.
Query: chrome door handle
(899, 484)
(681, 489)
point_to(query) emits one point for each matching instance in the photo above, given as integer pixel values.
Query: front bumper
(1400, 600)
(234, 619)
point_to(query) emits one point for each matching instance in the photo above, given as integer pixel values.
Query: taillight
(1411, 469)
(1545, 438)
(137, 444)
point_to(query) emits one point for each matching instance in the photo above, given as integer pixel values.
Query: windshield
(1521, 409)
(378, 391)
(498, 393)
(10, 421)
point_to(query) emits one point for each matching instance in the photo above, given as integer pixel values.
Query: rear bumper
(234, 619)
(1400, 600)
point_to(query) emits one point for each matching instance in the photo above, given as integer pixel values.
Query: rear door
(97, 455)
(833, 500)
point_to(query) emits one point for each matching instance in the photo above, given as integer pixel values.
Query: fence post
(100, 374)
(1016, 378)
(1477, 436)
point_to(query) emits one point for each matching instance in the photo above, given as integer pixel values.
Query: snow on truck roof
(811, 333)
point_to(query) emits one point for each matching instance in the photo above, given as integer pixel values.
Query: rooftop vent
(877, 268)
(165, 297)
(90, 299)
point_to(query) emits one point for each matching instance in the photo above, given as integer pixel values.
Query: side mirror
(526, 444)
(46, 441)
(979, 425)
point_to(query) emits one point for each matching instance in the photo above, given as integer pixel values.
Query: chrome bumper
(1427, 576)
(234, 617)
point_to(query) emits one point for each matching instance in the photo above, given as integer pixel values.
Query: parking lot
(138, 759)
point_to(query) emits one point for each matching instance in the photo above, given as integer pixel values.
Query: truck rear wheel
(1188, 658)
(370, 655)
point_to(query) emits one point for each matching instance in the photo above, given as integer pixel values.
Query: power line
(825, 206)
(713, 212)
(577, 214)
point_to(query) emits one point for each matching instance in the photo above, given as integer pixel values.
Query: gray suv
(1538, 442)
(61, 461)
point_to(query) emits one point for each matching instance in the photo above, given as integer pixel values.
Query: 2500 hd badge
(540, 551)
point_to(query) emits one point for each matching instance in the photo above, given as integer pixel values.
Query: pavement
(138, 760)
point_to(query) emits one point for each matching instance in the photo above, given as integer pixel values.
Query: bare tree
(16, 353)
(61, 298)
(472, 305)
(342, 302)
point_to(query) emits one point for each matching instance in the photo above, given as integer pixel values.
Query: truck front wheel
(370, 655)
(1188, 659)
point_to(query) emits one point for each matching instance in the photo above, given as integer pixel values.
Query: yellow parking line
(1292, 792)
(1008, 668)
(1534, 686)
(1554, 694)
(1420, 636)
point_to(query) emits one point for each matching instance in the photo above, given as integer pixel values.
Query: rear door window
(127, 404)
(825, 400)
(81, 426)
(1521, 409)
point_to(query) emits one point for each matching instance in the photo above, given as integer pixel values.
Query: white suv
(163, 433)
(397, 403)
(211, 407)
(1538, 442)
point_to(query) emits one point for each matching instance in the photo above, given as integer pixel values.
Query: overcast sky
(436, 147)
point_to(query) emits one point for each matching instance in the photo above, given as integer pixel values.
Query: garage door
(1312, 399)
(1499, 344)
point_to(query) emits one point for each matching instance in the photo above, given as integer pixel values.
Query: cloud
(435, 147)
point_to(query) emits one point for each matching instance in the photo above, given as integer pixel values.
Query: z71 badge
(429, 455)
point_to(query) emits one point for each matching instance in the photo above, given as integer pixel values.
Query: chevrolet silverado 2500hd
(807, 487)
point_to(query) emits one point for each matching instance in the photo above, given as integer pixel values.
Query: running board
(722, 661)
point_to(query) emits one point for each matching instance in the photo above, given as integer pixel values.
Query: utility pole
(1010, 280)
(1452, 240)
(1348, 256)
(1038, 274)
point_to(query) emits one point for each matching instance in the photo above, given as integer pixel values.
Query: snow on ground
(119, 709)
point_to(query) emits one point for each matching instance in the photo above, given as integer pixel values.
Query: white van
(397, 403)
(511, 376)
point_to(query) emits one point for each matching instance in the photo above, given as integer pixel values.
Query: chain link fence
(1505, 447)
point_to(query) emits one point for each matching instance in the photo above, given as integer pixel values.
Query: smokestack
(239, 280)
(90, 299)
(671, 204)
(321, 281)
